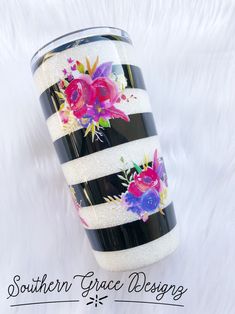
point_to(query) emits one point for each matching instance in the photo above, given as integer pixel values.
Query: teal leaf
(138, 169)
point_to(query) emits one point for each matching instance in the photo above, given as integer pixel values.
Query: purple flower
(70, 60)
(64, 71)
(70, 77)
(73, 67)
(85, 121)
(150, 200)
(131, 199)
(136, 209)
(99, 110)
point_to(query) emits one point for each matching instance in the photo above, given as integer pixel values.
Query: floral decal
(89, 95)
(77, 205)
(146, 187)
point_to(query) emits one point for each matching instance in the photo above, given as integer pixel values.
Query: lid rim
(122, 33)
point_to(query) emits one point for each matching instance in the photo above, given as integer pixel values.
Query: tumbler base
(139, 256)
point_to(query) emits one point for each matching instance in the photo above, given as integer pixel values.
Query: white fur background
(186, 49)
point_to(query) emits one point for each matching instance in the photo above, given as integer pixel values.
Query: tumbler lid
(72, 39)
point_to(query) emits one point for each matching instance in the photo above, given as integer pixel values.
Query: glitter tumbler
(100, 120)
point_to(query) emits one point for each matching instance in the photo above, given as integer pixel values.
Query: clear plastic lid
(72, 39)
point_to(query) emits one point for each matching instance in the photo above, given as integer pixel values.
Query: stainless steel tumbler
(99, 116)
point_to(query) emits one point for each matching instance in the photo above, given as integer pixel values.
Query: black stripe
(93, 192)
(75, 145)
(76, 43)
(133, 234)
(50, 102)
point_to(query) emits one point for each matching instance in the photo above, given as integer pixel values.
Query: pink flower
(93, 98)
(73, 67)
(97, 111)
(70, 60)
(144, 181)
(106, 111)
(105, 90)
(79, 94)
(64, 116)
(147, 179)
(133, 189)
(61, 84)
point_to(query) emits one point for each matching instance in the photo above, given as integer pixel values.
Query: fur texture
(186, 49)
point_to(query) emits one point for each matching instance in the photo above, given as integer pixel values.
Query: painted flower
(73, 67)
(106, 111)
(133, 189)
(86, 120)
(135, 209)
(131, 199)
(70, 60)
(78, 95)
(147, 179)
(77, 205)
(64, 116)
(99, 110)
(143, 181)
(150, 200)
(105, 90)
(146, 190)
(91, 92)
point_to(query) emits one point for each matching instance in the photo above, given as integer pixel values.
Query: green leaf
(66, 83)
(121, 177)
(88, 129)
(124, 184)
(62, 106)
(93, 132)
(138, 169)
(104, 123)
(80, 67)
(60, 95)
(122, 159)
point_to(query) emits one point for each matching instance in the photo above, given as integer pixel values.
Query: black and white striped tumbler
(99, 116)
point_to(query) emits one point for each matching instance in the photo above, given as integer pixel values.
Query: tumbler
(98, 113)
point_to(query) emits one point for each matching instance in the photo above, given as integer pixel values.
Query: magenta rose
(133, 189)
(144, 181)
(147, 179)
(105, 90)
(79, 94)
(105, 94)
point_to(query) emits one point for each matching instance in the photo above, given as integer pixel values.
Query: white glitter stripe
(50, 71)
(139, 105)
(107, 161)
(141, 255)
(57, 128)
(109, 214)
